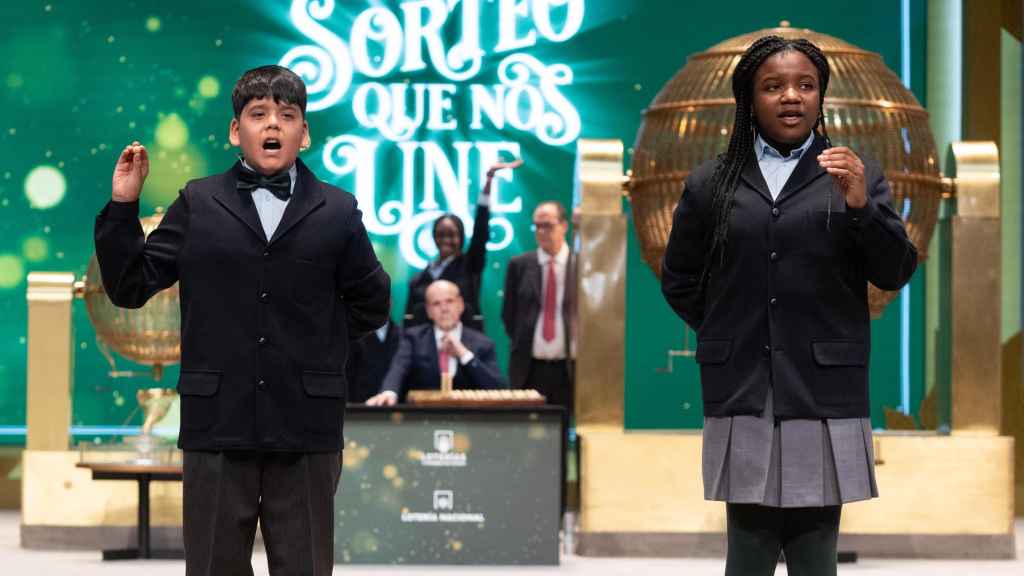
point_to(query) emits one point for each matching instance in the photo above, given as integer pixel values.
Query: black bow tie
(279, 184)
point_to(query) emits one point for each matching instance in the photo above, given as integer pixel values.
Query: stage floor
(18, 562)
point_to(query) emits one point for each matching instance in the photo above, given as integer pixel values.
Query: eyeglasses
(542, 226)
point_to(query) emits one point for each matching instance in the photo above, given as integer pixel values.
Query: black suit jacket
(522, 305)
(788, 307)
(465, 270)
(265, 324)
(369, 362)
(415, 366)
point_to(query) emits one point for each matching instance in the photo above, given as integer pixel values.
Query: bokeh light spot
(45, 187)
(15, 80)
(35, 249)
(153, 24)
(171, 132)
(11, 271)
(209, 87)
(168, 172)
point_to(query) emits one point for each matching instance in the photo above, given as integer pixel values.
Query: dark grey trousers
(756, 534)
(291, 495)
(552, 379)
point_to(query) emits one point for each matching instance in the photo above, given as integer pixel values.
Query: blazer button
(266, 254)
(773, 256)
(261, 385)
(766, 350)
(776, 212)
(264, 296)
(773, 302)
(263, 340)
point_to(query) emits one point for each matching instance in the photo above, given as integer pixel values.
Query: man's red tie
(442, 361)
(550, 301)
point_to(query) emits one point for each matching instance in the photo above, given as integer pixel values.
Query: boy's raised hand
(130, 173)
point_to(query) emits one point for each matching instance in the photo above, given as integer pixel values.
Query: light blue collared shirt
(270, 207)
(776, 169)
(382, 332)
(437, 268)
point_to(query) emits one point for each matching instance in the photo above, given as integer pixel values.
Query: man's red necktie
(550, 301)
(442, 361)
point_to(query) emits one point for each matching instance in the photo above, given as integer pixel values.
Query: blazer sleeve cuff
(115, 210)
(859, 217)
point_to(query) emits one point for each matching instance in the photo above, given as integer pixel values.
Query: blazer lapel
(435, 355)
(533, 273)
(239, 204)
(807, 170)
(306, 198)
(751, 174)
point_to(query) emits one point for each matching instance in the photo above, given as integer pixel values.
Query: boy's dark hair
(272, 81)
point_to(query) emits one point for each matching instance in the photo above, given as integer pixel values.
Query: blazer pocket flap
(840, 353)
(324, 384)
(198, 383)
(713, 351)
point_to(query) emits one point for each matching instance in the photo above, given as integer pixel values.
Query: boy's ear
(233, 133)
(306, 142)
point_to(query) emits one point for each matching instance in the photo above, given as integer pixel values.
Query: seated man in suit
(444, 346)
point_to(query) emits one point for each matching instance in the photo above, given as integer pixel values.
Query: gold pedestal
(940, 496)
(63, 507)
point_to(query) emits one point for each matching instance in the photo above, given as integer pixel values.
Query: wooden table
(143, 474)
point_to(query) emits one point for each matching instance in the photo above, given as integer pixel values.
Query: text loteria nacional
(350, 64)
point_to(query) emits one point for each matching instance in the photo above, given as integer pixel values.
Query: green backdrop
(81, 79)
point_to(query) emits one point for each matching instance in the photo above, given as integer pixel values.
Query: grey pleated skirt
(788, 463)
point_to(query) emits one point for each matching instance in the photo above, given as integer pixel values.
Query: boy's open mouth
(271, 144)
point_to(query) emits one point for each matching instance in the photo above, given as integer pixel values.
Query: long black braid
(741, 143)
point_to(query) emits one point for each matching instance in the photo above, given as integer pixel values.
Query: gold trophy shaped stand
(151, 449)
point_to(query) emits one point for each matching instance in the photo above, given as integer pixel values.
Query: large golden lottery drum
(866, 108)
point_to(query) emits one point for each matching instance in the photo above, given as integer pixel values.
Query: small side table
(143, 474)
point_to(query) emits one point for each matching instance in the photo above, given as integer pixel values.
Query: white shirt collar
(440, 265)
(455, 332)
(382, 332)
(762, 148)
(561, 258)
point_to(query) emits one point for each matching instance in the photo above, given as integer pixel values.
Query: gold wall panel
(976, 291)
(601, 282)
(50, 360)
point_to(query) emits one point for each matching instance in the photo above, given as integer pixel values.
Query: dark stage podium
(434, 484)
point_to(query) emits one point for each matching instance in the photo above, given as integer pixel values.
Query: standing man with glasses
(539, 310)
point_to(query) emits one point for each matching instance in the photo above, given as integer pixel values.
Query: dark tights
(757, 534)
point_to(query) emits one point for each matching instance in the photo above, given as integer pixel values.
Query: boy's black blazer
(265, 323)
